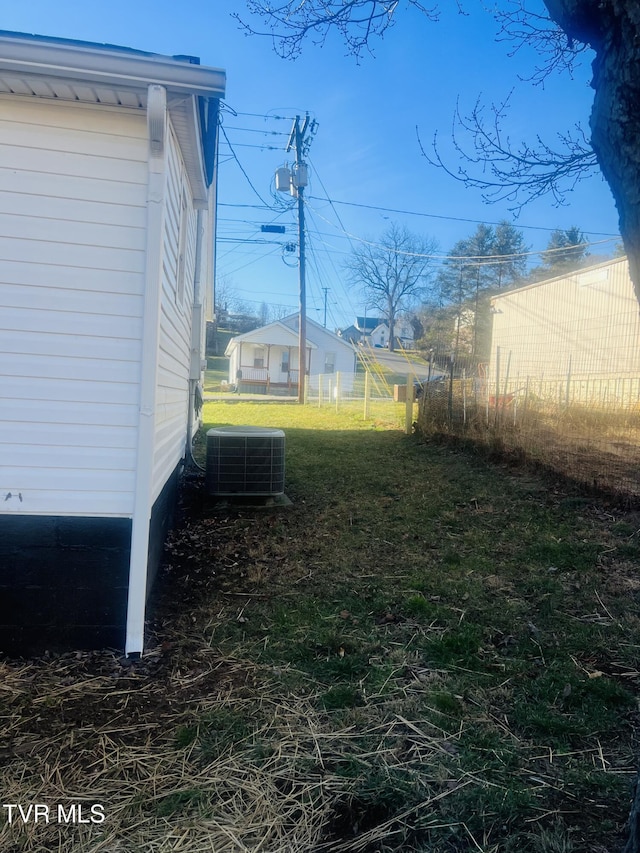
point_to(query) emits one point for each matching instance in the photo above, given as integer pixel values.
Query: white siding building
(267, 359)
(106, 262)
(582, 328)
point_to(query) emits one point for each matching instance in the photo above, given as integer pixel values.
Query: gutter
(143, 497)
(109, 67)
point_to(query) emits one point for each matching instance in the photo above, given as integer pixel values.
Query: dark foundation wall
(64, 581)
(162, 520)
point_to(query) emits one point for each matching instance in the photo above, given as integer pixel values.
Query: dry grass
(595, 446)
(265, 785)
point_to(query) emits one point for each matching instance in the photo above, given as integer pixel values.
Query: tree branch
(523, 27)
(506, 171)
(290, 23)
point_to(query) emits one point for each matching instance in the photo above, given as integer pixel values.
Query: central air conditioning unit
(245, 460)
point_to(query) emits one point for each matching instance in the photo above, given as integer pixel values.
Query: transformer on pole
(294, 181)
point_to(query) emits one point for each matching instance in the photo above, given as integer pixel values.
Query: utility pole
(300, 138)
(326, 290)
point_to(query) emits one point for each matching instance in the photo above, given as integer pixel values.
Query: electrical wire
(260, 115)
(257, 130)
(441, 216)
(479, 258)
(241, 167)
(259, 147)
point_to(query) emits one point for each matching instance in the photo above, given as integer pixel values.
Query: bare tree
(226, 295)
(393, 272)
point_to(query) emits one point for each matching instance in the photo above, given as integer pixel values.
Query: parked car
(436, 383)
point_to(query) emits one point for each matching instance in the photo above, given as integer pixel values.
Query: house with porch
(266, 360)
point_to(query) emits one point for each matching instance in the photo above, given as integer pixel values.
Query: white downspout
(143, 500)
(197, 321)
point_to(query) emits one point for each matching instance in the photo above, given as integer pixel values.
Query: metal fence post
(408, 417)
(367, 393)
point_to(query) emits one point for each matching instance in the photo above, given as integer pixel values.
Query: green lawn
(423, 652)
(217, 371)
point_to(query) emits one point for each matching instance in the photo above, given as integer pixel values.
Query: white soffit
(67, 71)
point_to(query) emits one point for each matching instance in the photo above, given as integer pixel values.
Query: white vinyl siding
(175, 321)
(72, 250)
(584, 326)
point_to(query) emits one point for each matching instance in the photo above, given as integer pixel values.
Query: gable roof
(368, 323)
(292, 322)
(348, 330)
(276, 333)
(284, 332)
(585, 272)
(87, 72)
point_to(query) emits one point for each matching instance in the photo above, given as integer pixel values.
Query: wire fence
(373, 392)
(562, 383)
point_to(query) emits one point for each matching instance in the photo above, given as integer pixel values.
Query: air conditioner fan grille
(245, 461)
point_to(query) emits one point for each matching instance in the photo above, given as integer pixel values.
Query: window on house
(329, 362)
(284, 364)
(258, 357)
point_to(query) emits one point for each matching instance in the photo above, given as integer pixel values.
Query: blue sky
(365, 154)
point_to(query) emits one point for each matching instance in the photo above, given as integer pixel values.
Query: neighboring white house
(583, 328)
(365, 326)
(267, 359)
(379, 336)
(403, 333)
(106, 257)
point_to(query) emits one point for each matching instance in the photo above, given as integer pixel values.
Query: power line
(261, 115)
(487, 258)
(249, 263)
(441, 216)
(260, 147)
(257, 130)
(241, 167)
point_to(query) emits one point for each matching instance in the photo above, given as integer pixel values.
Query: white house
(379, 336)
(107, 198)
(582, 328)
(267, 359)
(403, 332)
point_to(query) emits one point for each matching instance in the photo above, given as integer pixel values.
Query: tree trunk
(633, 841)
(612, 29)
(392, 325)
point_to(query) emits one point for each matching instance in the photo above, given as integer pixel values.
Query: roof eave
(109, 67)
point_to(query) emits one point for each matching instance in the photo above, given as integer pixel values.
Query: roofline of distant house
(107, 64)
(622, 258)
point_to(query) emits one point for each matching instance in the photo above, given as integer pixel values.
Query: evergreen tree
(488, 260)
(566, 251)
(511, 265)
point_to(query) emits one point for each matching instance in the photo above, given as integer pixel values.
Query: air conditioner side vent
(244, 460)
